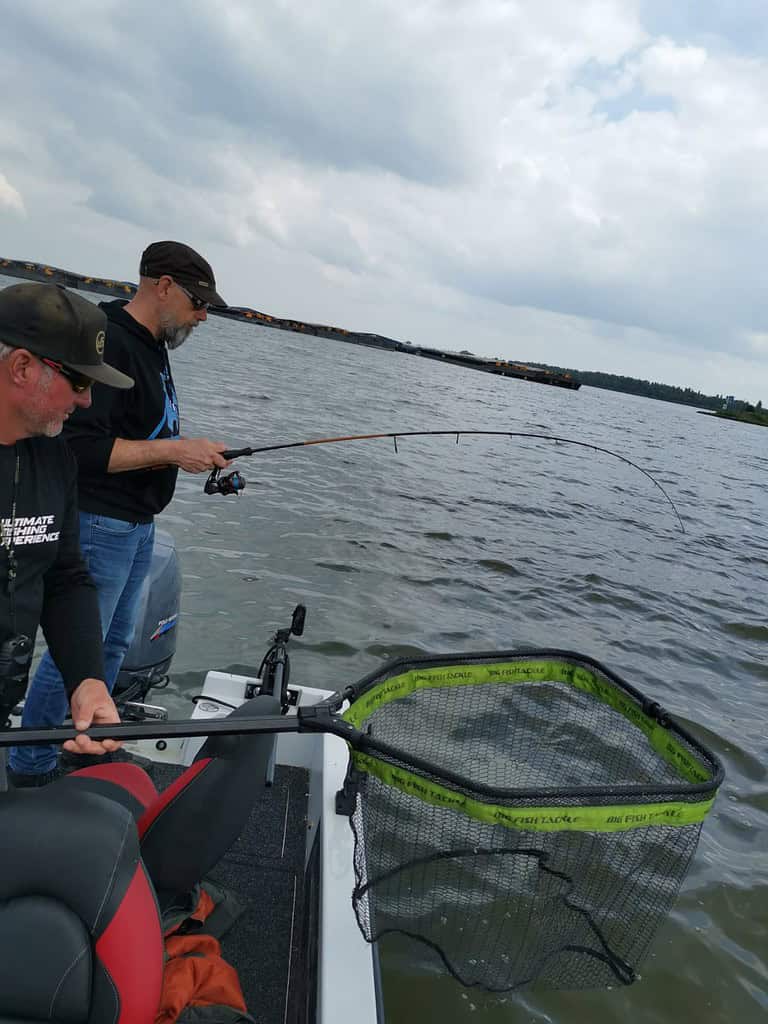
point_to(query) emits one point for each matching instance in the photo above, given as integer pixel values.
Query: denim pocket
(117, 526)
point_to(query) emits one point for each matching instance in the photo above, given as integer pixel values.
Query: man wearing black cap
(129, 452)
(51, 346)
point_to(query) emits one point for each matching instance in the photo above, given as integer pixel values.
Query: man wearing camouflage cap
(51, 353)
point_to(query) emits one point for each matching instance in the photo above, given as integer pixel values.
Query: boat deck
(265, 870)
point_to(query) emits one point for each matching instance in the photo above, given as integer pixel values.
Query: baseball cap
(185, 266)
(57, 324)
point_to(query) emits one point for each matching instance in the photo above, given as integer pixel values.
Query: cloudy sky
(580, 183)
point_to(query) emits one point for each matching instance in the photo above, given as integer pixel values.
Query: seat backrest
(79, 925)
(193, 822)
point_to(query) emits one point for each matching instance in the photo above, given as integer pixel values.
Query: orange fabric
(205, 906)
(196, 975)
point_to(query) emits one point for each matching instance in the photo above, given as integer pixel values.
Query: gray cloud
(334, 89)
(593, 168)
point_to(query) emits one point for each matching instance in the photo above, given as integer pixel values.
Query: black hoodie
(147, 411)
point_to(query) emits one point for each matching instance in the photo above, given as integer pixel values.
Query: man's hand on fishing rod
(91, 704)
(199, 455)
(193, 455)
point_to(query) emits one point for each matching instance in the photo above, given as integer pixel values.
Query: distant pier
(126, 289)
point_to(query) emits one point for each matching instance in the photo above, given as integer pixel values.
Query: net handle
(319, 718)
(315, 718)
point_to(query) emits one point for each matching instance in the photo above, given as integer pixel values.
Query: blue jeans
(118, 555)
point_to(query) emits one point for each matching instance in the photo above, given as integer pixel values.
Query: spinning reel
(232, 483)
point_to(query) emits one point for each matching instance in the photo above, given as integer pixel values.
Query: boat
(297, 948)
(303, 940)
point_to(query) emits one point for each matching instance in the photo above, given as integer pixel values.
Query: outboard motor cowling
(154, 643)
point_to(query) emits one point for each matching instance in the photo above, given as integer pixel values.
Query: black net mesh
(510, 907)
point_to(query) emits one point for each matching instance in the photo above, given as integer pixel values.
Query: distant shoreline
(535, 371)
(756, 419)
(126, 289)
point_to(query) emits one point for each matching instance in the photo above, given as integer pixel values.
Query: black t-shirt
(53, 588)
(147, 411)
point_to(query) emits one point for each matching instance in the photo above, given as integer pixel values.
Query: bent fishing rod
(234, 483)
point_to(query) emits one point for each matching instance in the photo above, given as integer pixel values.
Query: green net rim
(699, 780)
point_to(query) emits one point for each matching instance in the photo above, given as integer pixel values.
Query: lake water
(490, 544)
(496, 543)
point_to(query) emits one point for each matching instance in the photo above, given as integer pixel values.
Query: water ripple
(491, 544)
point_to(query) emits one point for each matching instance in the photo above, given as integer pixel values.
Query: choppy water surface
(495, 543)
(491, 544)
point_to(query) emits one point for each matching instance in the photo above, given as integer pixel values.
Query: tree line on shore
(649, 389)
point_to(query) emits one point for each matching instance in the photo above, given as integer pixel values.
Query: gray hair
(48, 373)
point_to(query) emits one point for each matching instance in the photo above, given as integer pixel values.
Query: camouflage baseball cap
(57, 324)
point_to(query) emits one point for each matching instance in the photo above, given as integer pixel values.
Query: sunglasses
(77, 381)
(197, 304)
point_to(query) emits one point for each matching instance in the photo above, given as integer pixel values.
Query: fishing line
(234, 482)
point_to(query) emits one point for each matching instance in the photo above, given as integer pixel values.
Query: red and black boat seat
(80, 936)
(186, 830)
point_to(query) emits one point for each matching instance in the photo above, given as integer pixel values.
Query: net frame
(675, 807)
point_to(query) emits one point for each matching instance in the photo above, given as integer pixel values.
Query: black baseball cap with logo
(57, 324)
(185, 266)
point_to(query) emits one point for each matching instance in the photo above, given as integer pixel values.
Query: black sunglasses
(77, 381)
(196, 303)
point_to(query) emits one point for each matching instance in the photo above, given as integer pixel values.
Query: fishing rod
(234, 483)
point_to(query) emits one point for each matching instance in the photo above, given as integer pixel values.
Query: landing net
(529, 817)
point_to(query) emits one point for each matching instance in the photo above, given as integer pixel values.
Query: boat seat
(186, 829)
(79, 924)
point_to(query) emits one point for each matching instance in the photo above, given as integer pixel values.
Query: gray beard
(38, 422)
(174, 337)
